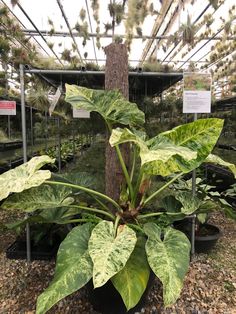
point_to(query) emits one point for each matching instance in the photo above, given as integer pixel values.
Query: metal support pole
(59, 145)
(194, 216)
(24, 140)
(73, 138)
(46, 132)
(31, 128)
(9, 126)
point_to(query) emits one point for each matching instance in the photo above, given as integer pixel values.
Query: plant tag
(54, 100)
(81, 113)
(197, 93)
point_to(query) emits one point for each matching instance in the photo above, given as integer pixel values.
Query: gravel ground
(210, 286)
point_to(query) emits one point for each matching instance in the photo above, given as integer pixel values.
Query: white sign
(197, 93)
(7, 108)
(80, 113)
(54, 101)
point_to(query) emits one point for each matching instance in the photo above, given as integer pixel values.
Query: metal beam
(220, 30)
(132, 73)
(158, 22)
(91, 28)
(24, 26)
(32, 32)
(195, 21)
(69, 28)
(41, 35)
(24, 140)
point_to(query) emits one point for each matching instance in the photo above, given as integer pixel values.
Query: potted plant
(120, 241)
(202, 203)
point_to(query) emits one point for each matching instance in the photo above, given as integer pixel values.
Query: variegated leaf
(132, 280)
(110, 252)
(168, 258)
(190, 203)
(111, 105)
(164, 160)
(181, 149)
(25, 176)
(73, 268)
(217, 160)
(42, 197)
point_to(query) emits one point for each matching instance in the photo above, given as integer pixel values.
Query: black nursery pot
(41, 251)
(206, 238)
(107, 299)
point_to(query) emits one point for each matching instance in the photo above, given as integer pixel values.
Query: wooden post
(116, 77)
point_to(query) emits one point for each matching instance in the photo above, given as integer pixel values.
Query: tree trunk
(116, 77)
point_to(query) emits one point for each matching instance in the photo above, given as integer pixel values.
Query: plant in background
(120, 241)
(204, 201)
(188, 31)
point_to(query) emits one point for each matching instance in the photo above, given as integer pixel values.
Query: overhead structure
(181, 34)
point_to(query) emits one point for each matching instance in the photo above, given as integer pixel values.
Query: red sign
(7, 108)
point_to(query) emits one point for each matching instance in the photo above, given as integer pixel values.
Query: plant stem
(135, 227)
(116, 223)
(89, 191)
(149, 215)
(100, 203)
(161, 189)
(123, 166)
(139, 180)
(133, 163)
(94, 210)
(77, 220)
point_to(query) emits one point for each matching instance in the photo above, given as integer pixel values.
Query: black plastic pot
(205, 241)
(107, 299)
(42, 251)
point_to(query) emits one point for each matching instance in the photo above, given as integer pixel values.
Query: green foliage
(110, 250)
(41, 197)
(124, 239)
(25, 176)
(168, 259)
(110, 105)
(73, 270)
(132, 280)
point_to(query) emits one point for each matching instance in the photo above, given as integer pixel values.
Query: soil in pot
(206, 237)
(107, 299)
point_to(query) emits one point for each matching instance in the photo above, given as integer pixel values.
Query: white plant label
(54, 101)
(197, 93)
(80, 113)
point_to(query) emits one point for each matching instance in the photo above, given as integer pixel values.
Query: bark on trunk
(116, 77)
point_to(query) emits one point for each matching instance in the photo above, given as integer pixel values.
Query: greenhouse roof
(179, 34)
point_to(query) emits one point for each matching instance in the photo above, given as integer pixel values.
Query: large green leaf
(73, 268)
(181, 149)
(46, 216)
(111, 105)
(42, 197)
(190, 203)
(132, 280)
(168, 258)
(110, 251)
(164, 160)
(217, 160)
(85, 179)
(25, 176)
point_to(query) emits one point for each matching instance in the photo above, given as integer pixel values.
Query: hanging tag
(54, 101)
